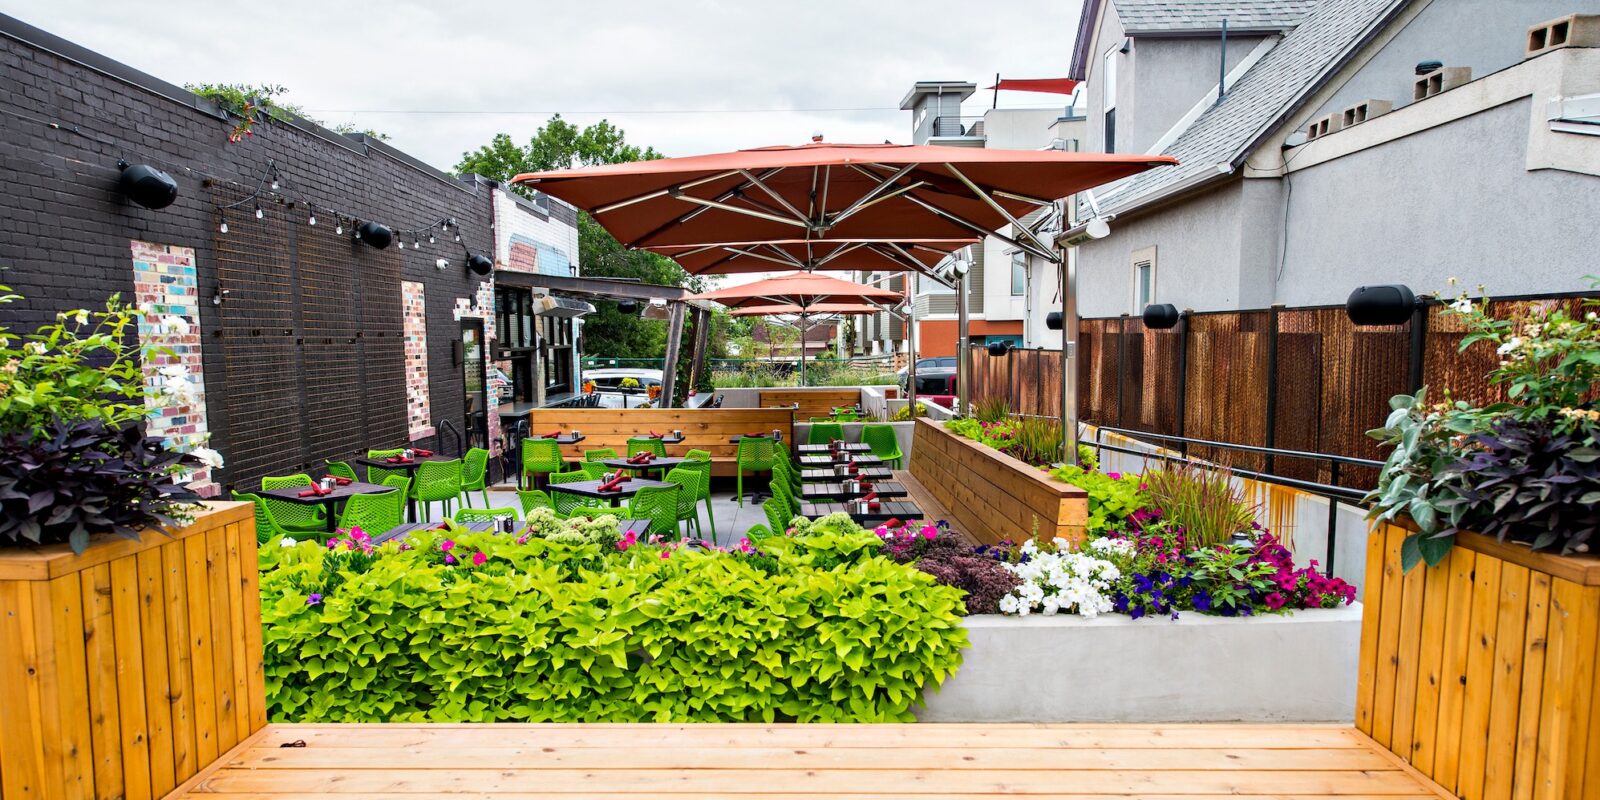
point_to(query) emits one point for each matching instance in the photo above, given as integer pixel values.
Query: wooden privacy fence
(1481, 672)
(703, 428)
(128, 669)
(1290, 378)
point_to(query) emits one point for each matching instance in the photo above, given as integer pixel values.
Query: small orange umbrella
(805, 292)
(847, 309)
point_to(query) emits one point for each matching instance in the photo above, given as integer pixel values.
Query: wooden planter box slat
(991, 495)
(126, 670)
(1481, 672)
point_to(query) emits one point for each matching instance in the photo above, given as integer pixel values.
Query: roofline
(1078, 69)
(1185, 33)
(964, 88)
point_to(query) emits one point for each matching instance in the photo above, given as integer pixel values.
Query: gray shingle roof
(1144, 16)
(1273, 87)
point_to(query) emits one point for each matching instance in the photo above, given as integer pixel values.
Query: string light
(338, 227)
(259, 213)
(224, 226)
(313, 220)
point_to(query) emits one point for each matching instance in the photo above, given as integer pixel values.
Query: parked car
(610, 380)
(935, 371)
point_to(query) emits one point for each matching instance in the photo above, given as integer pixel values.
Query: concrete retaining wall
(1295, 668)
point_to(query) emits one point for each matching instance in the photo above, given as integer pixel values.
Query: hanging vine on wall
(250, 105)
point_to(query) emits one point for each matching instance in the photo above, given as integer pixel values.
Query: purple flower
(449, 559)
(1202, 601)
(314, 599)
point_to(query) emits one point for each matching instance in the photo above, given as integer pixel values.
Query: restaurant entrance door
(474, 383)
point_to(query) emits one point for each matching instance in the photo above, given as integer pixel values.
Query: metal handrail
(1247, 448)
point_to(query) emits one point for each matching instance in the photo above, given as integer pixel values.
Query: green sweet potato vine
(558, 631)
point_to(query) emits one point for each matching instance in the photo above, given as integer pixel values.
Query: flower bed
(990, 495)
(571, 624)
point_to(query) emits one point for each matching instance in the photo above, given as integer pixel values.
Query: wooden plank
(100, 656)
(1569, 646)
(1480, 646)
(180, 662)
(1452, 691)
(255, 675)
(53, 561)
(236, 618)
(813, 402)
(1505, 688)
(22, 758)
(221, 637)
(157, 689)
(1371, 603)
(201, 651)
(1430, 666)
(1408, 655)
(703, 429)
(134, 730)
(1581, 569)
(779, 794)
(1388, 640)
(64, 690)
(1528, 703)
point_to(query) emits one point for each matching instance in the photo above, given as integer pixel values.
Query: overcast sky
(751, 73)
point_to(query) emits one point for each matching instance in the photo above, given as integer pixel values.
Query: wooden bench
(703, 428)
(813, 402)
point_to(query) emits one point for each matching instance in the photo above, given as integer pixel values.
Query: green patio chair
(340, 469)
(785, 473)
(465, 515)
(564, 503)
(268, 530)
(825, 432)
(778, 515)
(382, 474)
(539, 456)
(532, 499)
(696, 459)
(437, 482)
(599, 454)
(659, 504)
(475, 476)
(645, 444)
(591, 462)
(755, 455)
(376, 513)
(688, 480)
(298, 517)
(884, 443)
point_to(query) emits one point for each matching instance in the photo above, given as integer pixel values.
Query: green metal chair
(659, 504)
(297, 517)
(340, 469)
(437, 482)
(599, 454)
(475, 476)
(267, 528)
(376, 513)
(701, 460)
(466, 515)
(532, 499)
(755, 455)
(564, 503)
(824, 432)
(591, 462)
(778, 515)
(785, 473)
(781, 493)
(688, 480)
(383, 474)
(539, 456)
(884, 443)
(645, 444)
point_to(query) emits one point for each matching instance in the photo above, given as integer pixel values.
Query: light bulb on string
(430, 238)
(338, 227)
(313, 219)
(224, 226)
(259, 213)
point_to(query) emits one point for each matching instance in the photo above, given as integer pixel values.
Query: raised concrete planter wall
(1295, 668)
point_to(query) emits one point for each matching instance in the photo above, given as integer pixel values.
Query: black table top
(829, 474)
(821, 491)
(736, 437)
(823, 461)
(351, 489)
(406, 465)
(565, 438)
(886, 510)
(822, 449)
(628, 488)
(659, 462)
(666, 438)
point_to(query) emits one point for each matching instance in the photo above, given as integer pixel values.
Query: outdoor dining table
(659, 462)
(821, 492)
(822, 449)
(400, 532)
(666, 438)
(734, 439)
(825, 460)
(411, 472)
(591, 489)
(561, 439)
(831, 474)
(885, 511)
(338, 494)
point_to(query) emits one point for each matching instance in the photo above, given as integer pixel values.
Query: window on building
(1144, 278)
(1019, 273)
(1109, 91)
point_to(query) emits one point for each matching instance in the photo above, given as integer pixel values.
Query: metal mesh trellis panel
(1226, 395)
(330, 311)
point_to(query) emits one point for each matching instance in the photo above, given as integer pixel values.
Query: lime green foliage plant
(461, 627)
(1113, 497)
(905, 414)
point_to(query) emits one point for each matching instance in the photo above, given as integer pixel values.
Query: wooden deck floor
(808, 761)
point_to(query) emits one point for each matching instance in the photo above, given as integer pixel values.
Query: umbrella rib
(1022, 230)
(781, 200)
(750, 212)
(843, 249)
(979, 229)
(695, 213)
(784, 254)
(664, 192)
(864, 200)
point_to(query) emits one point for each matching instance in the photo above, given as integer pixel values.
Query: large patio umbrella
(806, 316)
(802, 293)
(833, 191)
(865, 255)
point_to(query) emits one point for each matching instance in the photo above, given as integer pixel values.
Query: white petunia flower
(286, 542)
(207, 456)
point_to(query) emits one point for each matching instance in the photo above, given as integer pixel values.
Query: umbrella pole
(804, 329)
(1069, 358)
(963, 369)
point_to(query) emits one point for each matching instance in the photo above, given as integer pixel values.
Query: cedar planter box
(990, 495)
(1481, 672)
(126, 670)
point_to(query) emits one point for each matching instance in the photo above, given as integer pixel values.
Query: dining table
(824, 449)
(337, 494)
(665, 438)
(638, 527)
(832, 474)
(873, 514)
(657, 463)
(827, 460)
(591, 489)
(821, 491)
(734, 439)
(410, 466)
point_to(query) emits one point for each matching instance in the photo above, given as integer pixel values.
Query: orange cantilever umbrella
(832, 191)
(865, 255)
(845, 309)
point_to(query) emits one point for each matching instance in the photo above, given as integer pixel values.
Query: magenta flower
(333, 544)
(449, 559)
(1116, 476)
(666, 554)
(628, 541)
(930, 531)
(478, 559)
(447, 545)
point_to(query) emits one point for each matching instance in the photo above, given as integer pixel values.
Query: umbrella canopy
(920, 255)
(840, 309)
(832, 191)
(804, 290)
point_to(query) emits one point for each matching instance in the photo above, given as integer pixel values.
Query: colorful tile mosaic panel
(166, 287)
(414, 318)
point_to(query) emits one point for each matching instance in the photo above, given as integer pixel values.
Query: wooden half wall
(1481, 672)
(703, 428)
(126, 670)
(992, 496)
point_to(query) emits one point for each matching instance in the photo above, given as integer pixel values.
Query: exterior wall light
(1392, 304)
(480, 264)
(999, 348)
(147, 186)
(1161, 316)
(1053, 320)
(376, 235)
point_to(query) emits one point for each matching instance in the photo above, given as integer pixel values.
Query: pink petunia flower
(930, 531)
(628, 541)
(447, 545)
(478, 558)
(1116, 476)
(666, 554)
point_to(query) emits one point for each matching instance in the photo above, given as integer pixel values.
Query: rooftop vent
(1440, 80)
(1573, 30)
(1363, 111)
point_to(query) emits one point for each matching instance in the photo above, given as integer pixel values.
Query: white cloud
(631, 59)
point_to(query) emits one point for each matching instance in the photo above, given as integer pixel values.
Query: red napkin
(894, 522)
(855, 468)
(309, 493)
(611, 485)
(871, 496)
(866, 487)
(655, 435)
(423, 453)
(637, 458)
(553, 434)
(339, 480)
